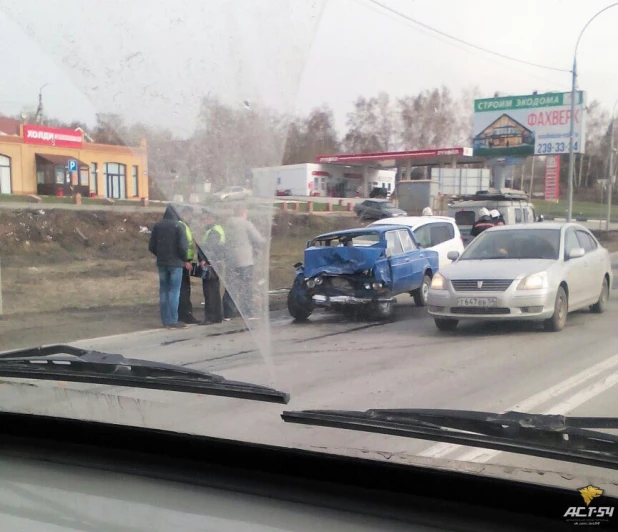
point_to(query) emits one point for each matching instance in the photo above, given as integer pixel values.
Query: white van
(439, 233)
(514, 208)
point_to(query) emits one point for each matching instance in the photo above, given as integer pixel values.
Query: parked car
(376, 209)
(286, 192)
(232, 193)
(379, 192)
(364, 268)
(525, 272)
(439, 233)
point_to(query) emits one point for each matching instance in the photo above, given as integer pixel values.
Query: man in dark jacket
(168, 242)
(484, 222)
(213, 246)
(185, 308)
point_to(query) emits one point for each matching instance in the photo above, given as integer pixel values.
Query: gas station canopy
(401, 159)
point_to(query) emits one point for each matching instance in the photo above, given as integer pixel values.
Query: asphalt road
(333, 362)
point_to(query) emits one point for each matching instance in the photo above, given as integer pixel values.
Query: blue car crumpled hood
(340, 260)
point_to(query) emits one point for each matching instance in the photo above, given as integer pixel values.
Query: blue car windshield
(515, 244)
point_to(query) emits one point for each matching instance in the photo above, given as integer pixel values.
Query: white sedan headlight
(438, 282)
(535, 281)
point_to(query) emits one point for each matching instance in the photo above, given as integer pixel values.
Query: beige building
(52, 161)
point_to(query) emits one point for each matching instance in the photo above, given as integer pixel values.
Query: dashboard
(60, 474)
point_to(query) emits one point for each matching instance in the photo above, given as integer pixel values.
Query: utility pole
(572, 129)
(610, 169)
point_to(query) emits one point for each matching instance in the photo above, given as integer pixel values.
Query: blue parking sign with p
(72, 165)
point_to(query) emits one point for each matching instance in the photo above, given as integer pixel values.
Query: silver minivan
(514, 208)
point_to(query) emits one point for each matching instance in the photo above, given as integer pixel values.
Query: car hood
(495, 269)
(344, 260)
(394, 211)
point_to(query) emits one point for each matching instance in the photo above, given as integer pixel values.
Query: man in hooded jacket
(185, 308)
(168, 242)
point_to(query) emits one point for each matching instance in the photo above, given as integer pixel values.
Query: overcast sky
(154, 61)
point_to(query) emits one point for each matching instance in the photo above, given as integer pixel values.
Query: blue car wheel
(383, 310)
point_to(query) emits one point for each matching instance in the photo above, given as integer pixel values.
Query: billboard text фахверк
(536, 124)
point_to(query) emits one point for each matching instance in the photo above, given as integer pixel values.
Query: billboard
(52, 136)
(519, 126)
(552, 177)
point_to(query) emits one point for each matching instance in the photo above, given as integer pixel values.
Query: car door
(397, 261)
(595, 257)
(414, 260)
(375, 211)
(577, 271)
(366, 208)
(422, 234)
(442, 238)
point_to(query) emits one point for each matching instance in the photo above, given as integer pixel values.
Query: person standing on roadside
(214, 244)
(242, 241)
(185, 308)
(168, 242)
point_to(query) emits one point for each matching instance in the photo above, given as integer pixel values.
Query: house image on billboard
(504, 136)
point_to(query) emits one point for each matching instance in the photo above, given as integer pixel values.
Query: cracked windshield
(382, 229)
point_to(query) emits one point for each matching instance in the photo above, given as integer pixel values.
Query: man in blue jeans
(168, 242)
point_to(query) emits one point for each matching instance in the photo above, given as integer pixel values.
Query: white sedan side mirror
(576, 253)
(452, 255)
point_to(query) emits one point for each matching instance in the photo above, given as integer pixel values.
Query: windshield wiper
(64, 362)
(548, 436)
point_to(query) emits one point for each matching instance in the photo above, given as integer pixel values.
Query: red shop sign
(52, 136)
(552, 177)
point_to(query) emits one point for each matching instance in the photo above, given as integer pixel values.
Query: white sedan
(232, 193)
(439, 233)
(526, 272)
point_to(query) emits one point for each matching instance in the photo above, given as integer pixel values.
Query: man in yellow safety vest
(185, 308)
(213, 248)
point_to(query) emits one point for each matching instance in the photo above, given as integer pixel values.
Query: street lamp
(610, 170)
(572, 128)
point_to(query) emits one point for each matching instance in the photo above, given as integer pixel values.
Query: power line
(464, 49)
(461, 41)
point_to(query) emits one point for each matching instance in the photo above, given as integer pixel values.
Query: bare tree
(592, 163)
(229, 142)
(371, 125)
(429, 119)
(307, 138)
(110, 129)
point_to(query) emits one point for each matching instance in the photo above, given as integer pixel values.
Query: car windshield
(515, 244)
(190, 183)
(355, 239)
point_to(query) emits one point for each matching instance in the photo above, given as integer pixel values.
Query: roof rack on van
(492, 195)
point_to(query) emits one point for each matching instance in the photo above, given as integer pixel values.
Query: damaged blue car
(363, 269)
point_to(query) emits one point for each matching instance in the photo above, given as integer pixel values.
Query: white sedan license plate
(477, 302)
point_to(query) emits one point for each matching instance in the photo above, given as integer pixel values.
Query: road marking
(481, 456)
(442, 449)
